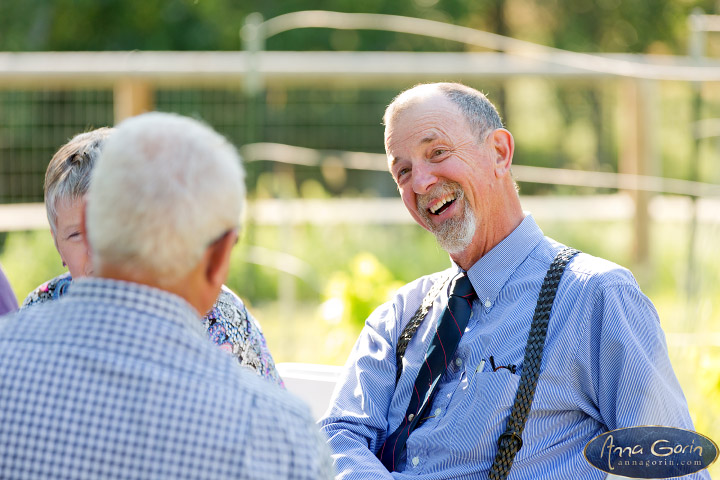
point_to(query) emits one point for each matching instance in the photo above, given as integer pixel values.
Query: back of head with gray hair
(164, 188)
(479, 112)
(67, 176)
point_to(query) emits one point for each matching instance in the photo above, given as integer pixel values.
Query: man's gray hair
(164, 188)
(479, 112)
(67, 177)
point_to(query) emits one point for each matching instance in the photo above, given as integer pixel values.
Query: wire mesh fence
(33, 124)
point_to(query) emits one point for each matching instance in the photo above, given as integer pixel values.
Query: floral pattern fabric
(229, 325)
(49, 290)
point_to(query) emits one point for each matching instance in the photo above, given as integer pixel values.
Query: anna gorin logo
(651, 452)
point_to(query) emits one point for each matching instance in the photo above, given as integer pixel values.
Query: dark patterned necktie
(449, 331)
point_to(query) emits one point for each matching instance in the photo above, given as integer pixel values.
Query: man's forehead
(422, 122)
(413, 134)
(399, 142)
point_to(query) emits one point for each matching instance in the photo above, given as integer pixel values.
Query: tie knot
(461, 287)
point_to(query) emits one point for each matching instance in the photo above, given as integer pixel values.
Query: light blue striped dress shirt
(605, 366)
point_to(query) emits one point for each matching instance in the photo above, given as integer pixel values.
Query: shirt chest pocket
(477, 415)
(489, 400)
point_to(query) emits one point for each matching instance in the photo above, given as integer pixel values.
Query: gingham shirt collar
(131, 296)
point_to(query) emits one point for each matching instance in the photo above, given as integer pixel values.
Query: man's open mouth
(442, 204)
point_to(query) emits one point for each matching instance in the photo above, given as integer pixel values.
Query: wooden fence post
(131, 97)
(638, 155)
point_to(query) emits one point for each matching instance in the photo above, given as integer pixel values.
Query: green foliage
(61, 25)
(317, 253)
(362, 263)
(29, 259)
(353, 295)
(580, 25)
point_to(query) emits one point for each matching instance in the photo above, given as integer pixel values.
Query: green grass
(29, 258)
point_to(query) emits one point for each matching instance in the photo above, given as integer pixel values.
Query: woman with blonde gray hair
(228, 323)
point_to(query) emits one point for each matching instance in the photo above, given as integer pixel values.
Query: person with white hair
(229, 324)
(117, 379)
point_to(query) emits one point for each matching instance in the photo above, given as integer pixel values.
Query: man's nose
(423, 178)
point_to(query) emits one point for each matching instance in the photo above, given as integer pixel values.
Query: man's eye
(402, 172)
(74, 235)
(438, 152)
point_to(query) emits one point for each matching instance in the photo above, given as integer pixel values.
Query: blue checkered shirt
(605, 366)
(88, 391)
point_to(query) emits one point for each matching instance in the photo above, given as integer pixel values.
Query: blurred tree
(599, 26)
(580, 25)
(120, 25)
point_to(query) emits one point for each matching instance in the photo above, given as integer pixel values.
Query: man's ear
(218, 263)
(503, 146)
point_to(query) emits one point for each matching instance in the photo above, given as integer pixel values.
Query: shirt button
(449, 395)
(438, 411)
(458, 362)
(488, 303)
(415, 461)
(410, 417)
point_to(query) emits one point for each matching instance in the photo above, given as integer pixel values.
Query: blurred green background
(343, 270)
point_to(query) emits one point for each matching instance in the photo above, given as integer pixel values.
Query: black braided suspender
(409, 331)
(510, 442)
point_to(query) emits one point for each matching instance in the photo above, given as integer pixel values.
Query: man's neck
(178, 288)
(487, 237)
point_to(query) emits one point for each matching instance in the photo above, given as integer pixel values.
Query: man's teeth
(443, 201)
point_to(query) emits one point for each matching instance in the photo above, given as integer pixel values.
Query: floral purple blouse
(229, 326)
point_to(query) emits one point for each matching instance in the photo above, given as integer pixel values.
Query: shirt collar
(489, 274)
(137, 297)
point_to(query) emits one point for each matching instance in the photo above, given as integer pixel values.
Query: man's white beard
(455, 234)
